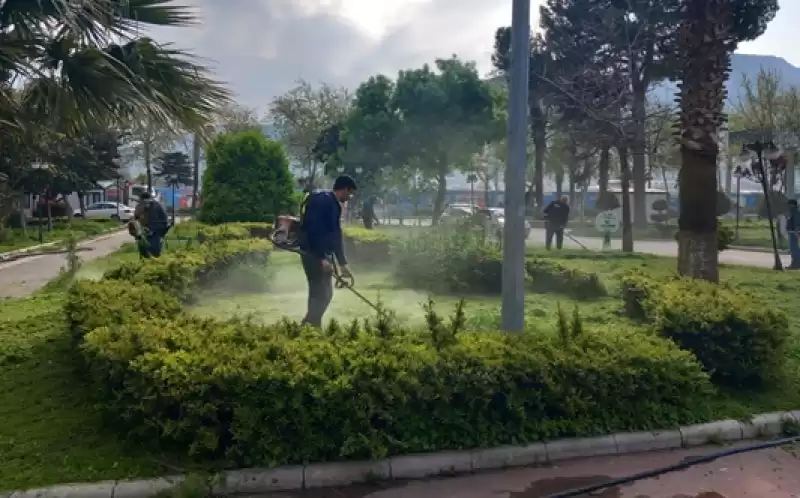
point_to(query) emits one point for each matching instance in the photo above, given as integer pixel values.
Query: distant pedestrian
(556, 217)
(368, 212)
(153, 225)
(792, 227)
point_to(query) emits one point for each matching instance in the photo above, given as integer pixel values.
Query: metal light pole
(513, 311)
(738, 173)
(761, 152)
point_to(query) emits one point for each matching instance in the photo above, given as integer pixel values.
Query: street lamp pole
(738, 173)
(761, 152)
(513, 297)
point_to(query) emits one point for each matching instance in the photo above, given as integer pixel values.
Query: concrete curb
(321, 475)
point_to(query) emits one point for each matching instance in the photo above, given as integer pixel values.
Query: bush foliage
(247, 179)
(256, 395)
(739, 341)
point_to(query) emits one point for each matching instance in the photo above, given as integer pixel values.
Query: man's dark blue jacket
(322, 227)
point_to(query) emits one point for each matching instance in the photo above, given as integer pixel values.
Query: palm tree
(68, 66)
(83, 62)
(709, 33)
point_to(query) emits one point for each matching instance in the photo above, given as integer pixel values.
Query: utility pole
(513, 312)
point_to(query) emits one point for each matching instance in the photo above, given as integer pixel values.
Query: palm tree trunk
(706, 50)
(559, 183)
(195, 171)
(147, 161)
(625, 173)
(603, 170)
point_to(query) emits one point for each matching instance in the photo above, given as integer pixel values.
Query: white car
(498, 220)
(456, 212)
(106, 211)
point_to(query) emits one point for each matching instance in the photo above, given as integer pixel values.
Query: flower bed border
(445, 463)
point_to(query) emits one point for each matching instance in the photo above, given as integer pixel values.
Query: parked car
(107, 211)
(457, 212)
(497, 217)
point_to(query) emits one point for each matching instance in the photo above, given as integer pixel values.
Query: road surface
(664, 248)
(24, 276)
(764, 474)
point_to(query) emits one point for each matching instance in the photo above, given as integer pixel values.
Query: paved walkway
(24, 276)
(665, 248)
(762, 474)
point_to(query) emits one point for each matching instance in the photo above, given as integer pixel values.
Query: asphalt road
(657, 247)
(763, 474)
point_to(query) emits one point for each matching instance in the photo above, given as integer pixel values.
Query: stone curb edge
(321, 475)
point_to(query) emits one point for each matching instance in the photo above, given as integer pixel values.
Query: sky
(260, 48)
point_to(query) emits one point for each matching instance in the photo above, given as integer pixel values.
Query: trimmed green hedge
(549, 276)
(270, 395)
(180, 272)
(256, 395)
(740, 341)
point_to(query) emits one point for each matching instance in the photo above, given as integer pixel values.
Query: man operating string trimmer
(320, 241)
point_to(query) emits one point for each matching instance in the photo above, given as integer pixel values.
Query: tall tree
(446, 116)
(174, 168)
(709, 33)
(540, 105)
(302, 114)
(636, 36)
(233, 118)
(69, 66)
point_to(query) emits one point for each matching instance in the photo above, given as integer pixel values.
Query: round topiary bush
(247, 178)
(607, 202)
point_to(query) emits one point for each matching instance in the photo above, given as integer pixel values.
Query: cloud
(261, 47)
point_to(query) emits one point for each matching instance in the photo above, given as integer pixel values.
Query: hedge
(462, 261)
(180, 272)
(740, 341)
(261, 395)
(549, 276)
(270, 395)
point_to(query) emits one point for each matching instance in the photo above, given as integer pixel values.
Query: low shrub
(549, 276)
(225, 231)
(262, 395)
(367, 246)
(180, 272)
(740, 342)
(93, 304)
(449, 261)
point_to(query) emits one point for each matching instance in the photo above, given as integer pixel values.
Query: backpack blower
(286, 237)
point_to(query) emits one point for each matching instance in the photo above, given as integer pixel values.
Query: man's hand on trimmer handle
(345, 271)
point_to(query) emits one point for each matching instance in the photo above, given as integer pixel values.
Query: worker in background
(556, 216)
(792, 227)
(150, 225)
(321, 241)
(368, 212)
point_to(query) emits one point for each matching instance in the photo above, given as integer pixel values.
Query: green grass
(51, 433)
(15, 239)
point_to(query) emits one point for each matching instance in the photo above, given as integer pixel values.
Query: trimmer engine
(287, 233)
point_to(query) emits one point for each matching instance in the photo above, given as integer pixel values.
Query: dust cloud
(283, 292)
